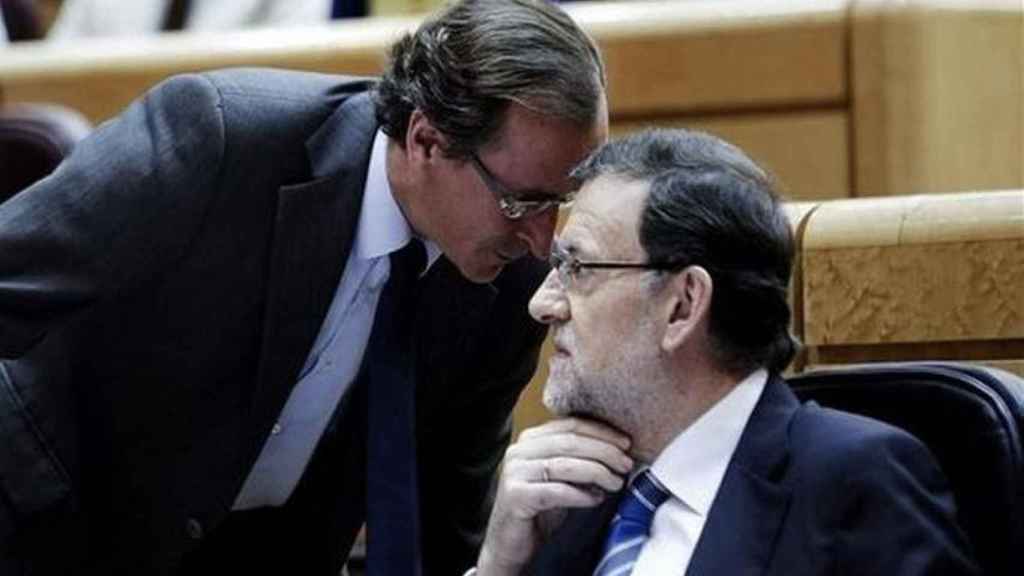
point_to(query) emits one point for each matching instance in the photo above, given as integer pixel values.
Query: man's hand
(570, 463)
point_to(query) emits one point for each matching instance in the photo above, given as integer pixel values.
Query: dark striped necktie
(632, 525)
(392, 521)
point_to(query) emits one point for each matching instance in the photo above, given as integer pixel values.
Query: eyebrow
(567, 246)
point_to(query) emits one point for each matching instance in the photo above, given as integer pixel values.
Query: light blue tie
(632, 525)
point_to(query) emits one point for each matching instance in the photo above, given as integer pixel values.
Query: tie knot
(648, 490)
(642, 498)
(631, 526)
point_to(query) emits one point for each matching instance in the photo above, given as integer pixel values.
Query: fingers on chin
(555, 495)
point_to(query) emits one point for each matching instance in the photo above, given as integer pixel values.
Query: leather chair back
(970, 417)
(34, 139)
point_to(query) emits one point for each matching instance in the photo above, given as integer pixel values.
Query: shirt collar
(693, 464)
(382, 228)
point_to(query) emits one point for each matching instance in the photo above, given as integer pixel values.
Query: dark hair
(710, 205)
(463, 67)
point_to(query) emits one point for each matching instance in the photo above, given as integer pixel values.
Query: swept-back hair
(463, 67)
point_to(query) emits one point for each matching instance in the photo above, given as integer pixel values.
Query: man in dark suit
(670, 320)
(209, 312)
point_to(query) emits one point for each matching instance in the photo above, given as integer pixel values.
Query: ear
(424, 143)
(688, 306)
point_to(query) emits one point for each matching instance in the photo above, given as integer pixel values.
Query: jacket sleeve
(898, 515)
(116, 212)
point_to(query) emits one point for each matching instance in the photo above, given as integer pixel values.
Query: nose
(537, 231)
(549, 304)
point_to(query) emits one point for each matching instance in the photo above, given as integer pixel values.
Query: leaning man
(261, 307)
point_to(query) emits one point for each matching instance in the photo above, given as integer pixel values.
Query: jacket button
(194, 529)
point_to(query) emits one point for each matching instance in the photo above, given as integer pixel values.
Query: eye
(574, 267)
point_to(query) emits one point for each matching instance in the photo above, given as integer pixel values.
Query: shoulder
(280, 84)
(260, 92)
(842, 447)
(872, 495)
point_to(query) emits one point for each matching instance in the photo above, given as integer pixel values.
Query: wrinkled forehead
(605, 218)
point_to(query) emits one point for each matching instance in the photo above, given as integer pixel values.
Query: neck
(401, 187)
(692, 393)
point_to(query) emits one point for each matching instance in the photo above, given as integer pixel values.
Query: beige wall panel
(662, 56)
(915, 293)
(99, 78)
(743, 63)
(530, 409)
(938, 95)
(807, 152)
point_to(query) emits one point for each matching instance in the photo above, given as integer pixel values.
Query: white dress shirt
(337, 353)
(692, 467)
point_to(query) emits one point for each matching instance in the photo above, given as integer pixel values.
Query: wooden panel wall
(838, 97)
(759, 73)
(938, 95)
(808, 152)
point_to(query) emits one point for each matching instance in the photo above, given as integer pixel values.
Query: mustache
(563, 340)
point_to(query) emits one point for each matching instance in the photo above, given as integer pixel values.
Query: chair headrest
(34, 138)
(970, 417)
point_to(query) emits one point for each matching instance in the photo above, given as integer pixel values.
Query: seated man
(669, 317)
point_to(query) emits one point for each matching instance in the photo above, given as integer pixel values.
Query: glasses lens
(515, 209)
(512, 209)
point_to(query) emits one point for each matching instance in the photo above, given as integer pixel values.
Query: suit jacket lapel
(313, 235)
(740, 531)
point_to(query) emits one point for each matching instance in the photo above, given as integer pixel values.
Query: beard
(611, 387)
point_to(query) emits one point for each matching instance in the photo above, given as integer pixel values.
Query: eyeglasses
(513, 205)
(568, 266)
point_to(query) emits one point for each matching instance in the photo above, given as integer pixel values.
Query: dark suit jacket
(158, 296)
(808, 491)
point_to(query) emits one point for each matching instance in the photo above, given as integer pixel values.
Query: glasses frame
(567, 266)
(511, 204)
